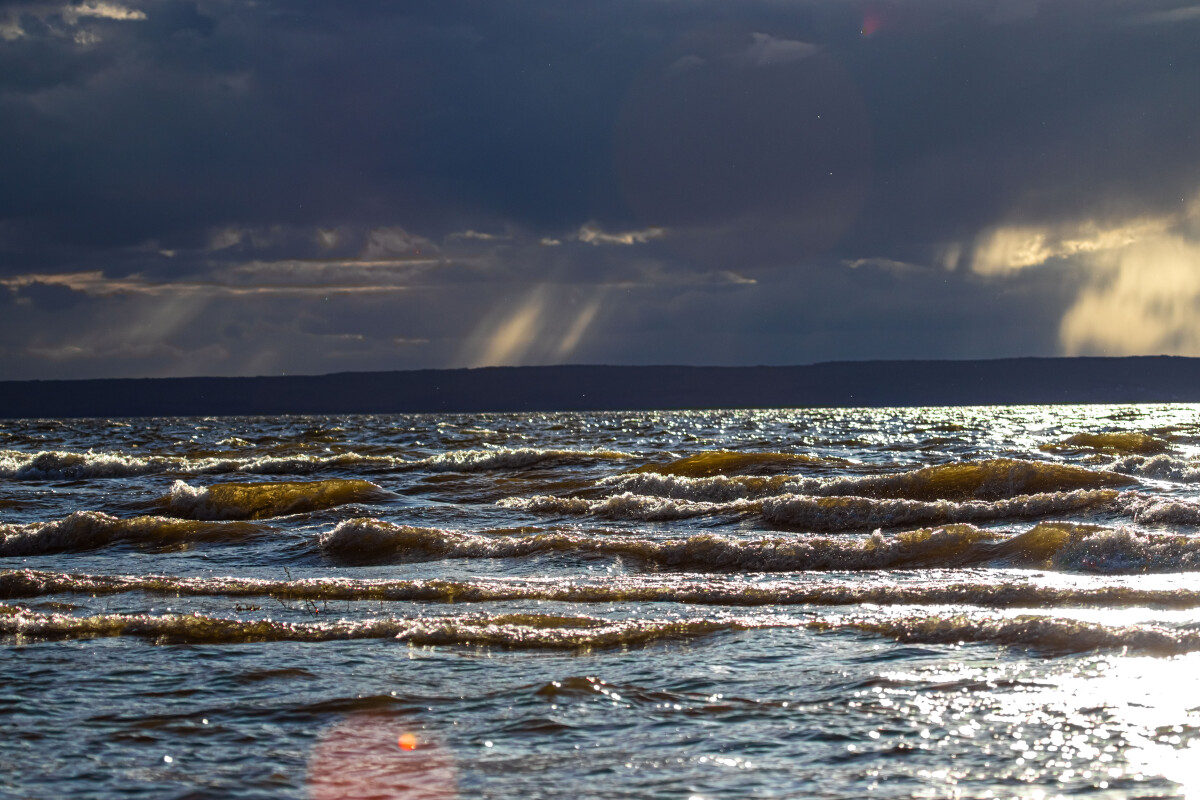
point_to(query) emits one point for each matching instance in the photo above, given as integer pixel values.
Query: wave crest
(1060, 546)
(264, 500)
(1054, 635)
(991, 479)
(819, 514)
(514, 458)
(1129, 442)
(62, 465)
(656, 588)
(728, 462)
(90, 530)
(1163, 468)
(524, 631)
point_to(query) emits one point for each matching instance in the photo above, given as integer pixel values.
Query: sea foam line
(15, 584)
(1055, 636)
(65, 465)
(522, 631)
(820, 514)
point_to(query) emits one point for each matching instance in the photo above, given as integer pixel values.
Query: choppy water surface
(967, 602)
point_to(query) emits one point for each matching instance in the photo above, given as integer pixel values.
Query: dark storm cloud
(470, 181)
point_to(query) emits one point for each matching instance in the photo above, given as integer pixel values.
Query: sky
(210, 187)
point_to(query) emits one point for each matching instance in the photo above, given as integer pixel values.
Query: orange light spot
(407, 741)
(871, 23)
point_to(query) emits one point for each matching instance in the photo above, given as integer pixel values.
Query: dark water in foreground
(968, 602)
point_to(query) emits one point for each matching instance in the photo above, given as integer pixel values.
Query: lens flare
(376, 756)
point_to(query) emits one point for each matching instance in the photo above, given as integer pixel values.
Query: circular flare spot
(358, 759)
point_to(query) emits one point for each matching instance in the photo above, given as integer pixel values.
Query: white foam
(514, 458)
(1161, 467)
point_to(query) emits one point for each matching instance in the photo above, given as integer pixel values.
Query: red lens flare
(378, 756)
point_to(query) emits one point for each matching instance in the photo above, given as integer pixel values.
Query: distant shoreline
(1010, 381)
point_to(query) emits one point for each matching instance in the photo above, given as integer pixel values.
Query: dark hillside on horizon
(590, 388)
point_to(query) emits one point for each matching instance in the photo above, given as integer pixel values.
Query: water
(932, 602)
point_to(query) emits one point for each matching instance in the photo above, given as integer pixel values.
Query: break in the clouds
(217, 187)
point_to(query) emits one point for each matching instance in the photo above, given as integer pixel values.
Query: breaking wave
(545, 631)
(716, 489)
(62, 465)
(1055, 635)
(1163, 468)
(823, 514)
(524, 631)
(514, 458)
(640, 589)
(264, 500)
(992, 479)
(727, 462)
(1060, 546)
(862, 513)
(89, 530)
(59, 465)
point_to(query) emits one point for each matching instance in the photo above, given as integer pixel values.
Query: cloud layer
(216, 187)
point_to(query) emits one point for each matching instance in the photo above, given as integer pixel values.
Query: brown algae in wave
(1125, 443)
(687, 590)
(265, 500)
(991, 479)
(90, 530)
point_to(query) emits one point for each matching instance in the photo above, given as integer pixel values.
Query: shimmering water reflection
(979, 602)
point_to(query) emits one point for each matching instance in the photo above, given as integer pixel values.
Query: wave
(28, 583)
(830, 514)
(90, 530)
(1113, 442)
(1150, 509)
(820, 514)
(715, 489)
(581, 633)
(297, 465)
(628, 506)
(505, 458)
(263, 500)
(518, 631)
(991, 479)
(1163, 468)
(727, 462)
(62, 465)
(1054, 635)
(1059, 546)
